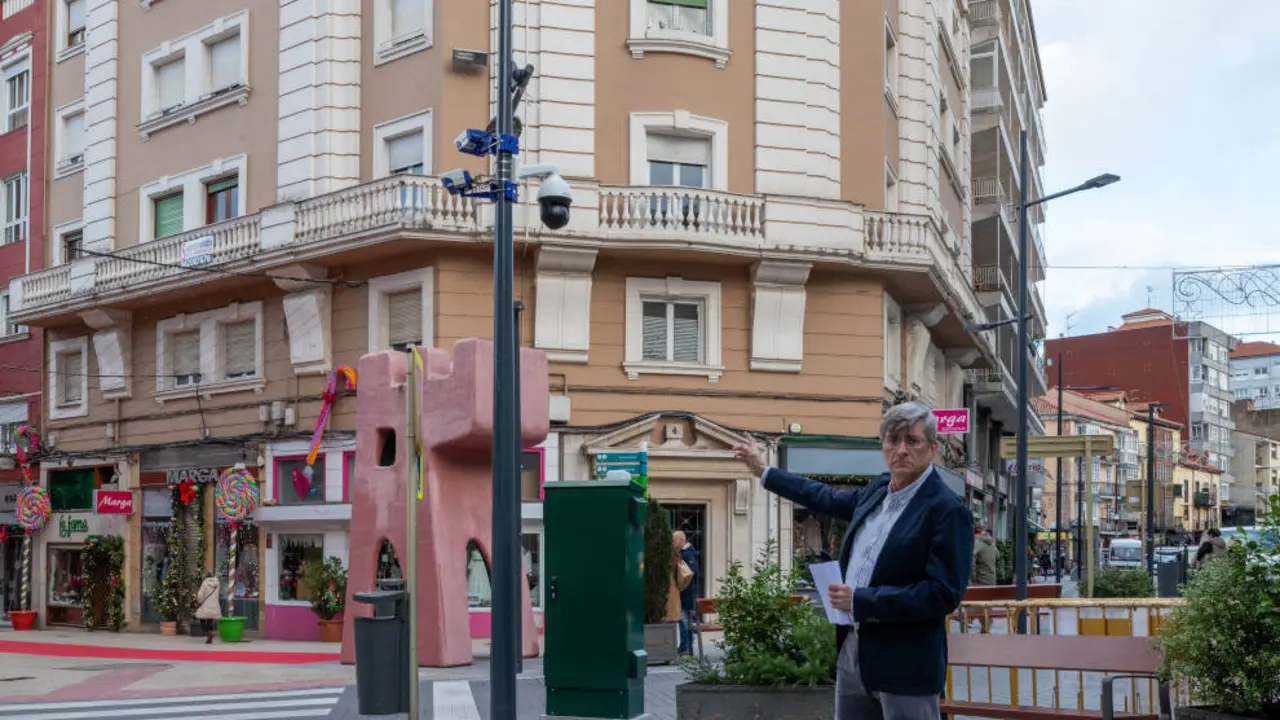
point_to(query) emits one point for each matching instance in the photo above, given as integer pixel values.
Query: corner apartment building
(23, 135)
(1255, 374)
(1008, 94)
(1155, 358)
(1110, 476)
(1256, 466)
(1197, 496)
(770, 232)
(1168, 436)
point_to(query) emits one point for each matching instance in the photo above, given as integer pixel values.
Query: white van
(1125, 553)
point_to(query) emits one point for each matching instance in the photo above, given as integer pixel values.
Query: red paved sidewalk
(211, 654)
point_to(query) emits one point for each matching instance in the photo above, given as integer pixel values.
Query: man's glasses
(913, 442)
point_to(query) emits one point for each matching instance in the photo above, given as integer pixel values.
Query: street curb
(125, 653)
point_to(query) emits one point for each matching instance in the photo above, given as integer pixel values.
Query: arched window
(479, 589)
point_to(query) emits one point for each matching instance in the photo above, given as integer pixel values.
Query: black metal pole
(1151, 488)
(1057, 510)
(506, 564)
(514, 520)
(1020, 483)
(1080, 526)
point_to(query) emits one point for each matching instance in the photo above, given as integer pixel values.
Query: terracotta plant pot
(330, 630)
(168, 627)
(22, 619)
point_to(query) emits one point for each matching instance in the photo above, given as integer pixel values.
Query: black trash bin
(382, 651)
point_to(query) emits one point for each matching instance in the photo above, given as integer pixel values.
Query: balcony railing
(988, 278)
(986, 99)
(674, 212)
(988, 191)
(1202, 498)
(12, 6)
(984, 12)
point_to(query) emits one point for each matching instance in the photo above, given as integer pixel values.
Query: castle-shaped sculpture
(455, 424)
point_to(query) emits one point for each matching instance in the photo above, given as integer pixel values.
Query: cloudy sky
(1180, 98)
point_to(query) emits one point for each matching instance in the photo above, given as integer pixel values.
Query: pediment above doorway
(669, 435)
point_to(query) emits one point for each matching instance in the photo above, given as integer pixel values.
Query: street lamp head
(1102, 181)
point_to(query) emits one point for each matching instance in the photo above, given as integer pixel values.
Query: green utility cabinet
(595, 660)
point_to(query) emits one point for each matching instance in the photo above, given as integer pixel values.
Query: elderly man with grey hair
(905, 561)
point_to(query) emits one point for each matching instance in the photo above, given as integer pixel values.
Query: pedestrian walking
(1213, 545)
(905, 560)
(207, 609)
(986, 558)
(687, 571)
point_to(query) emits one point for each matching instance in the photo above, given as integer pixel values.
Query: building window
(224, 64)
(239, 348)
(195, 74)
(689, 16)
(72, 490)
(72, 245)
(70, 141)
(673, 327)
(401, 27)
(679, 149)
(167, 215)
(8, 329)
(678, 161)
(890, 188)
(890, 63)
(71, 28)
(222, 200)
(65, 579)
(531, 545)
(215, 351)
(400, 310)
(296, 551)
(689, 27)
(68, 380)
(892, 343)
(403, 146)
(530, 476)
(17, 79)
(479, 588)
(294, 488)
(15, 209)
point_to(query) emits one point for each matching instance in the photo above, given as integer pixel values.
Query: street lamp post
(1021, 492)
(1151, 485)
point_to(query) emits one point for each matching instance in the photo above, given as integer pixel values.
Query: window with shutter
(72, 243)
(168, 215)
(70, 370)
(171, 84)
(404, 319)
(15, 209)
(75, 22)
(222, 201)
(678, 161)
(405, 154)
(17, 95)
(240, 351)
(184, 358)
(407, 18)
(73, 134)
(672, 331)
(224, 64)
(689, 16)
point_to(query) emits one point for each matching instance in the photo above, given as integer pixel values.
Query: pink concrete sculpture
(456, 427)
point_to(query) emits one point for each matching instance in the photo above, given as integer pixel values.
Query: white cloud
(1176, 97)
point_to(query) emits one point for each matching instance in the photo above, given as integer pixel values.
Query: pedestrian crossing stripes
(274, 705)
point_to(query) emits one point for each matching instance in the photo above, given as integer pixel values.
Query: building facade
(1165, 453)
(771, 232)
(23, 132)
(1257, 465)
(1255, 374)
(1197, 500)
(1154, 358)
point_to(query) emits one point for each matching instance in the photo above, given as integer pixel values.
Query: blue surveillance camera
(474, 142)
(457, 182)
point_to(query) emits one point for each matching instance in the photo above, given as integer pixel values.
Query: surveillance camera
(555, 198)
(457, 181)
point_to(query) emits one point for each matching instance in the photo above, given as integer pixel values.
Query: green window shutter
(224, 184)
(683, 3)
(168, 216)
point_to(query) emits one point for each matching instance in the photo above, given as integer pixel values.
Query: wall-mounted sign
(197, 251)
(974, 478)
(196, 475)
(68, 526)
(113, 502)
(636, 463)
(952, 422)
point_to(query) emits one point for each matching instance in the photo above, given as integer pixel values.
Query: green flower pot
(230, 629)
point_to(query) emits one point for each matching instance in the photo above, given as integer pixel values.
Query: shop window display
(65, 580)
(294, 489)
(532, 546)
(295, 552)
(479, 590)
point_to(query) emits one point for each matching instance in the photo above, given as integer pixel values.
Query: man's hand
(841, 596)
(749, 454)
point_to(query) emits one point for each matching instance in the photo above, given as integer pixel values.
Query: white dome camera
(555, 197)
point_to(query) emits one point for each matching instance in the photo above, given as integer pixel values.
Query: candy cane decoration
(329, 398)
(236, 497)
(32, 508)
(26, 443)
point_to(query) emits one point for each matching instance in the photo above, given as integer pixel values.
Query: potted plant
(1224, 642)
(779, 656)
(165, 602)
(661, 631)
(327, 584)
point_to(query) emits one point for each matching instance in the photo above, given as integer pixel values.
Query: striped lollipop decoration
(236, 497)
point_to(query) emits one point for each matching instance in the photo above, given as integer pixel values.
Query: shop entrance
(10, 574)
(692, 521)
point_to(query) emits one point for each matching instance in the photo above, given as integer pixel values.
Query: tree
(658, 554)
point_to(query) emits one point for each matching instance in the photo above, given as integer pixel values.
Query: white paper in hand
(824, 576)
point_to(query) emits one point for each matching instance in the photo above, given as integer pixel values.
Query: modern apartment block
(1256, 466)
(23, 136)
(770, 232)
(1155, 358)
(1006, 99)
(1255, 374)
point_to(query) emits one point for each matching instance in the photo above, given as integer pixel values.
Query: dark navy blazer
(918, 580)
